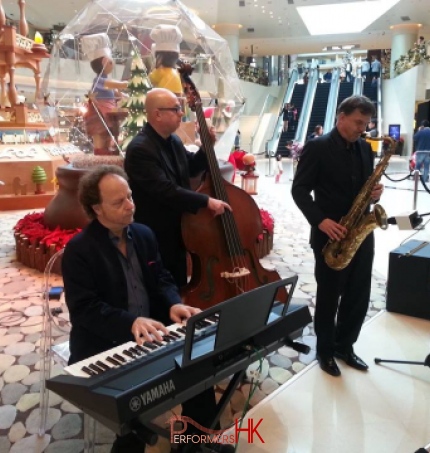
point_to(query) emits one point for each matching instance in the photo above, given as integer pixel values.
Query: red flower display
(268, 223)
(33, 227)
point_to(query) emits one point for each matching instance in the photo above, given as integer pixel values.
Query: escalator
(345, 91)
(319, 107)
(297, 100)
(371, 91)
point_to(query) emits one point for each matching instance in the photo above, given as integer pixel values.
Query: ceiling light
(351, 17)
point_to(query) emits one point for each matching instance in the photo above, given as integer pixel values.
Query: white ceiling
(269, 37)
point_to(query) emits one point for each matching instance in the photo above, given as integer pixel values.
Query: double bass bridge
(237, 273)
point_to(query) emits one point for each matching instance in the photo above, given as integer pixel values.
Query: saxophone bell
(380, 216)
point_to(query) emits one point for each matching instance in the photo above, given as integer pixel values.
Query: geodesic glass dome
(68, 81)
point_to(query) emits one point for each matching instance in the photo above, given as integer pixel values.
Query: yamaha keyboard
(216, 343)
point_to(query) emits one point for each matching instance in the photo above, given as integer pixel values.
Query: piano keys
(131, 352)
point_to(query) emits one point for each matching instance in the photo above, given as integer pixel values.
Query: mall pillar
(230, 32)
(404, 38)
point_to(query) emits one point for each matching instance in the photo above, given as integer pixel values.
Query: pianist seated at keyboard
(116, 287)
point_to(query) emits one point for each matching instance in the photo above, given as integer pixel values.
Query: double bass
(222, 248)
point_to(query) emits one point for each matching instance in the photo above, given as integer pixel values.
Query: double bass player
(159, 168)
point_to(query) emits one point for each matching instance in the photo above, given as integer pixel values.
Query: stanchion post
(269, 171)
(416, 180)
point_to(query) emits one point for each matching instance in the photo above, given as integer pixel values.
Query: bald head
(158, 97)
(161, 105)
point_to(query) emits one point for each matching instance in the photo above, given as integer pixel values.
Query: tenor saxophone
(338, 254)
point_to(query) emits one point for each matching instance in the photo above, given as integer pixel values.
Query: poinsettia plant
(268, 223)
(34, 229)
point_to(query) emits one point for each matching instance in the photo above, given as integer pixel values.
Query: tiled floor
(385, 410)
(20, 327)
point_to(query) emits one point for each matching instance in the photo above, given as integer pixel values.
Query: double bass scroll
(222, 248)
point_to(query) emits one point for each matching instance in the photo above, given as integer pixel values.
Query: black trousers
(201, 408)
(342, 298)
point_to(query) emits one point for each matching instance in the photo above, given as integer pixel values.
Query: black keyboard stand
(297, 346)
(236, 379)
(227, 396)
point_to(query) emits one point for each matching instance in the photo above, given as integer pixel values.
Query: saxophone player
(334, 167)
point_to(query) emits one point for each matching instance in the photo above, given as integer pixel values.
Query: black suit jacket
(161, 190)
(96, 288)
(325, 169)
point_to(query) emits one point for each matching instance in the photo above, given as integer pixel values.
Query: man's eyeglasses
(175, 109)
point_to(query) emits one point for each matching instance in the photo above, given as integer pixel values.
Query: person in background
(422, 149)
(294, 151)
(285, 112)
(330, 174)
(375, 68)
(278, 167)
(159, 169)
(318, 131)
(294, 116)
(237, 140)
(306, 78)
(365, 70)
(290, 149)
(348, 71)
(372, 131)
(328, 76)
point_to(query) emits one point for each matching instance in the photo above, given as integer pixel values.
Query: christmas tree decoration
(138, 86)
(39, 177)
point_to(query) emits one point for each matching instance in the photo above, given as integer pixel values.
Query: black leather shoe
(352, 360)
(329, 365)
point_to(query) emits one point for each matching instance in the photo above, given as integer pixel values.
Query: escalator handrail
(332, 101)
(305, 114)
